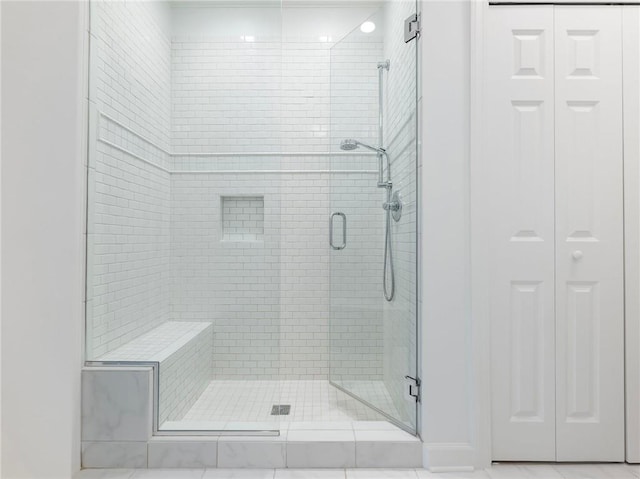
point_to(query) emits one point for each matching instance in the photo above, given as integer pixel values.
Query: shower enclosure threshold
(120, 401)
(370, 444)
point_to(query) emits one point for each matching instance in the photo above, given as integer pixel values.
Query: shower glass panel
(183, 250)
(217, 153)
(373, 328)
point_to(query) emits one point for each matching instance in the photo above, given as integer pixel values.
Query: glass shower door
(373, 328)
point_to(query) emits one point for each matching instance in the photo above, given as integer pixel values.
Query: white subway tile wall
(270, 303)
(128, 224)
(305, 95)
(132, 65)
(184, 375)
(129, 250)
(234, 284)
(354, 88)
(226, 95)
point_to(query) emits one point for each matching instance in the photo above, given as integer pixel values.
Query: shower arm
(382, 153)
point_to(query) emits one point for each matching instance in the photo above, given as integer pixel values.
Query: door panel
(554, 150)
(589, 232)
(373, 342)
(520, 148)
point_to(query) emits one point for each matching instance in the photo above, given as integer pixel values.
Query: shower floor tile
(247, 404)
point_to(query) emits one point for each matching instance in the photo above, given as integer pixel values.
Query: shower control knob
(394, 206)
(577, 255)
(391, 205)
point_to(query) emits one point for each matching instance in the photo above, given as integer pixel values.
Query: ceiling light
(368, 27)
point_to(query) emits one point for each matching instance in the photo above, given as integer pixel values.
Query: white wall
(42, 211)
(447, 428)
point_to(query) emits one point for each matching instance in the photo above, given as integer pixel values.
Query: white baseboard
(443, 457)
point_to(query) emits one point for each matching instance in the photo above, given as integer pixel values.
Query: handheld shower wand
(391, 206)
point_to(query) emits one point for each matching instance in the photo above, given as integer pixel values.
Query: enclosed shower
(252, 211)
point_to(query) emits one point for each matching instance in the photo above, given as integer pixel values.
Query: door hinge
(411, 27)
(412, 388)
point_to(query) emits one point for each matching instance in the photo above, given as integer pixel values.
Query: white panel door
(589, 232)
(520, 172)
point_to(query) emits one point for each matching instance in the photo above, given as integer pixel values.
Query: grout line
(130, 153)
(133, 132)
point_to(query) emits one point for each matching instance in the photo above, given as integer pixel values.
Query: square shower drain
(280, 409)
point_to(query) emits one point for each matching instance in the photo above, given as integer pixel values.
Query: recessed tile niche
(242, 218)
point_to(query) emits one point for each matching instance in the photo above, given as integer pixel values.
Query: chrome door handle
(344, 230)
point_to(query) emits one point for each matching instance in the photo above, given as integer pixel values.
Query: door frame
(631, 165)
(479, 241)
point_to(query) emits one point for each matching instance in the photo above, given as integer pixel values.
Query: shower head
(350, 144)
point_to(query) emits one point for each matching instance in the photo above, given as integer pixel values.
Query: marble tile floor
(236, 404)
(497, 471)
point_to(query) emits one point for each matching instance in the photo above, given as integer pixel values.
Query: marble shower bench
(118, 388)
(184, 351)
